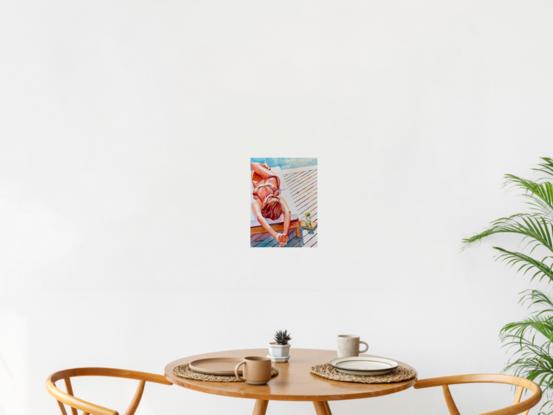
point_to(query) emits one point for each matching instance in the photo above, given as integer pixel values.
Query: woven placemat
(184, 371)
(400, 374)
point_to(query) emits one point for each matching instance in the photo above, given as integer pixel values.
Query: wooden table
(295, 382)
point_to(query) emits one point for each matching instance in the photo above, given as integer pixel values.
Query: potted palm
(532, 338)
(279, 350)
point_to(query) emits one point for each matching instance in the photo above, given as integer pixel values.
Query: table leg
(260, 407)
(322, 408)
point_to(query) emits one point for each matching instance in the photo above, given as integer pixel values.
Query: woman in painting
(267, 201)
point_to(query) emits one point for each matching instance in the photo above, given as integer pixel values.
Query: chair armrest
(77, 403)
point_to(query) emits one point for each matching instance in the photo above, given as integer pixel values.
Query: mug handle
(243, 362)
(365, 343)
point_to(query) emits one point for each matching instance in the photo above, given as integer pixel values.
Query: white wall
(126, 129)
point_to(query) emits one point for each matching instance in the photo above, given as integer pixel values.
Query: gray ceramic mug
(348, 345)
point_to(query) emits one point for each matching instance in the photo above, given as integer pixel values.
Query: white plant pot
(277, 350)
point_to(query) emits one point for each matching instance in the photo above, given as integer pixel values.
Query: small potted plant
(279, 350)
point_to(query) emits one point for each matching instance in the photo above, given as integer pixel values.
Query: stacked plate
(363, 365)
(218, 366)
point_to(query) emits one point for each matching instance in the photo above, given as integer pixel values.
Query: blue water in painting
(285, 163)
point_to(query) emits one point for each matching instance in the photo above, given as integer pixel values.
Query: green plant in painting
(530, 340)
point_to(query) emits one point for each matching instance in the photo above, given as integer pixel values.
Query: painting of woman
(268, 202)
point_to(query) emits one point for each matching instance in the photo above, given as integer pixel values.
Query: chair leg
(260, 407)
(322, 408)
(298, 232)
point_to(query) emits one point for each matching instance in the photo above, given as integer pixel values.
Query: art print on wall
(283, 203)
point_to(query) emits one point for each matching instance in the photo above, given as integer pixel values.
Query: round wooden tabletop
(295, 382)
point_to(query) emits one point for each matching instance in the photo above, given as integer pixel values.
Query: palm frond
(532, 359)
(533, 228)
(527, 263)
(546, 167)
(531, 339)
(519, 329)
(540, 195)
(536, 297)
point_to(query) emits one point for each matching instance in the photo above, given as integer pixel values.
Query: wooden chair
(517, 407)
(89, 408)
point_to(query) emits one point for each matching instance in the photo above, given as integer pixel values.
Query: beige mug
(257, 370)
(348, 345)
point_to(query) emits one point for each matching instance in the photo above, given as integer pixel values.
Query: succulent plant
(282, 337)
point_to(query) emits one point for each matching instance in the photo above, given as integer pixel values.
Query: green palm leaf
(531, 339)
(535, 229)
(540, 195)
(546, 167)
(527, 263)
(535, 324)
(536, 297)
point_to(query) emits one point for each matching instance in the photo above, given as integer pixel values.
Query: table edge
(401, 386)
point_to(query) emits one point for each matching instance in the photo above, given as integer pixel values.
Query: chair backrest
(88, 408)
(516, 408)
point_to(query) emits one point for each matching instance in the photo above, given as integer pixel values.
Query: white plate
(364, 365)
